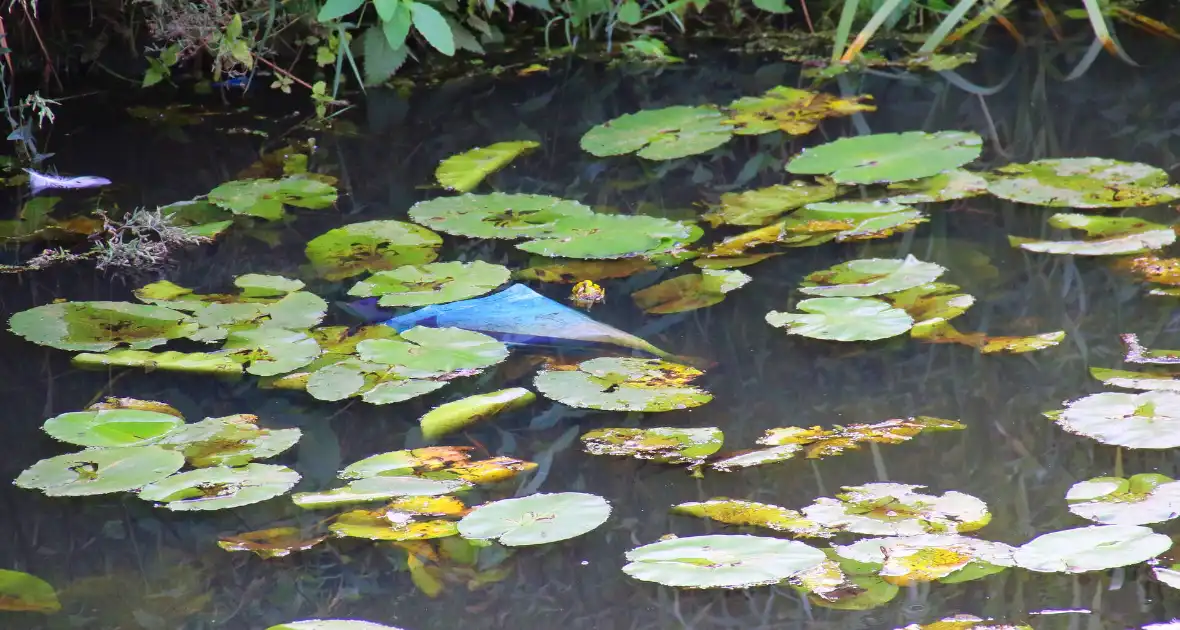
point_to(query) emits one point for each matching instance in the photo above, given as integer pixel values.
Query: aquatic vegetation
(764, 205)
(666, 445)
(431, 283)
(460, 414)
(100, 471)
(220, 487)
(660, 134)
(276, 542)
(739, 512)
(265, 198)
(720, 561)
(572, 271)
(463, 172)
(380, 488)
(947, 558)
(896, 509)
(1136, 353)
(1106, 236)
(888, 157)
(20, 591)
(939, 331)
(111, 427)
(689, 292)
(1148, 381)
(624, 384)
(1093, 548)
(99, 326)
(371, 246)
(536, 519)
(794, 111)
(497, 215)
(1139, 500)
(965, 622)
(389, 525)
(870, 277)
(1147, 420)
(948, 186)
(331, 624)
(1083, 183)
(843, 319)
(817, 443)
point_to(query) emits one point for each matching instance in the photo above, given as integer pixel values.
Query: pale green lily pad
(172, 361)
(931, 304)
(111, 427)
(378, 488)
(463, 172)
(895, 509)
(660, 134)
(1147, 420)
(1083, 183)
(331, 624)
(888, 157)
(764, 205)
(536, 519)
(101, 326)
(1171, 577)
(791, 110)
(220, 487)
(871, 276)
(375, 383)
(459, 414)
(390, 525)
(257, 285)
(1147, 381)
(667, 445)
(624, 384)
(865, 592)
(757, 457)
(432, 283)
(1140, 500)
(498, 215)
(100, 471)
(371, 246)
(435, 351)
(843, 319)
(689, 292)
(20, 591)
(405, 462)
(268, 351)
(1093, 548)
(905, 560)
(229, 441)
(818, 223)
(953, 184)
(721, 561)
(198, 217)
(737, 512)
(605, 236)
(264, 198)
(1107, 236)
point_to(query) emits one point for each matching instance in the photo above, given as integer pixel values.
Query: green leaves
(1147, 420)
(264, 198)
(536, 519)
(888, 157)
(433, 283)
(99, 326)
(1106, 236)
(333, 9)
(353, 249)
(1093, 548)
(1083, 183)
(773, 6)
(624, 384)
(433, 26)
(843, 319)
(660, 134)
(463, 172)
(220, 487)
(721, 561)
(100, 471)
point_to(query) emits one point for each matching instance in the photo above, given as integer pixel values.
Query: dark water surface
(119, 563)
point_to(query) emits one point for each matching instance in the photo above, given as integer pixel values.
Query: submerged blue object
(522, 317)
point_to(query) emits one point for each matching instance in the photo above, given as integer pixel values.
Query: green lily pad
(230, 441)
(624, 384)
(264, 198)
(871, 276)
(1083, 183)
(1137, 353)
(257, 285)
(969, 622)
(378, 488)
(375, 383)
(605, 236)
(331, 624)
(660, 134)
(817, 443)
(101, 326)
(690, 292)
(432, 283)
(498, 215)
(888, 157)
(1093, 548)
(737, 512)
(371, 246)
(406, 462)
(818, 223)
(906, 560)
(953, 184)
(220, 487)
(895, 509)
(20, 591)
(1106, 236)
(172, 361)
(390, 525)
(1148, 381)
(536, 519)
(1147, 420)
(932, 303)
(757, 457)
(435, 350)
(721, 561)
(791, 110)
(843, 319)
(465, 171)
(268, 351)
(111, 427)
(100, 471)
(667, 445)
(460, 414)
(198, 217)
(857, 592)
(764, 205)
(1140, 500)
(274, 542)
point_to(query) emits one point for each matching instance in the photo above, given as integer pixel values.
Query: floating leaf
(389, 525)
(484, 471)
(264, 198)
(792, 110)
(101, 326)
(573, 271)
(758, 457)
(220, 487)
(1152, 268)
(666, 445)
(761, 206)
(435, 350)
(371, 246)
(966, 622)
(871, 276)
(660, 134)
(111, 427)
(907, 560)
(1136, 353)
(1140, 500)
(536, 519)
(278, 542)
(1093, 548)
(721, 561)
(377, 489)
(375, 383)
(230, 441)
(498, 215)
(953, 184)
(257, 285)
(1083, 183)
(931, 304)
(111, 402)
(895, 509)
(888, 157)
(460, 414)
(172, 361)
(841, 221)
(690, 292)
(614, 236)
(399, 463)
(1106, 236)
(22, 592)
(1167, 575)
(732, 262)
(843, 319)
(817, 443)
(465, 171)
(100, 471)
(736, 512)
(331, 624)
(269, 351)
(1147, 420)
(939, 331)
(432, 283)
(624, 384)
(1149, 381)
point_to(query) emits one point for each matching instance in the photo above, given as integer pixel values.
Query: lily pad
(1106, 236)
(660, 134)
(761, 206)
(888, 157)
(939, 331)
(1147, 420)
(460, 414)
(871, 276)
(966, 622)
(907, 560)
(573, 271)
(1137, 353)
(264, 198)
(895, 509)
(101, 326)
(613, 236)
(113, 427)
(230, 441)
(20, 591)
(953, 184)
(390, 525)
(378, 488)
(1140, 500)
(484, 471)
(435, 350)
(257, 285)
(737, 512)
(405, 462)
(843, 319)
(536, 519)
(756, 457)
(1083, 183)
(268, 351)
(930, 304)
(1148, 381)
(171, 361)
(432, 283)
(848, 221)
(371, 246)
(498, 215)
(721, 561)
(375, 383)
(690, 292)
(220, 487)
(624, 384)
(465, 171)
(277, 542)
(100, 471)
(791, 110)
(331, 624)
(1093, 548)
(817, 443)
(666, 445)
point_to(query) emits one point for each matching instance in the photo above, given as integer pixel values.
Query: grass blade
(844, 28)
(869, 29)
(1102, 31)
(954, 17)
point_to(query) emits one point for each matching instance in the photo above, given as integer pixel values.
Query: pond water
(119, 563)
